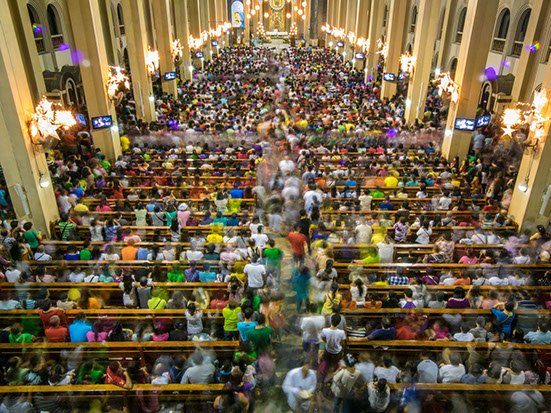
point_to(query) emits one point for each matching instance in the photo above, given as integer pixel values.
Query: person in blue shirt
(386, 332)
(79, 328)
(233, 221)
(504, 315)
(350, 182)
(152, 204)
(236, 192)
(246, 324)
(142, 254)
(72, 254)
(220, 219)
(386, 205)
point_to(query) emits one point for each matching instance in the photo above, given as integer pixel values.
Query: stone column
(307, 22)
(89, 39)
(182, 33)
(423, 50)
(448, 33)
(136, 40)
(163, 30)
(397, 16)
(376, 16)
(535, 172)
(330, 20)
(23, 164)
(527, 66)
(351, 17)
(471, 62)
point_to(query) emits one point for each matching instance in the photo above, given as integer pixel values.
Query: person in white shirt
(366, 366)
(334, 338)
(358, 291)
(76, 276)
(452, 373)
(387, 371)
(423, 234)
(12, 275)
(312, 197)
(256, 273)
(427, 370)
(528, 401)
(464, 335)
(379, 395)
(286, 166)
(41, 255)
(444, 202)
(363, 232)
(299, 386)
(260, 239)
(365, 201)
(522, 257)
(193, 254)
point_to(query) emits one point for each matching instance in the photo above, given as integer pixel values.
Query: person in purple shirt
(458, 300)
(192, 273)
(386, 332)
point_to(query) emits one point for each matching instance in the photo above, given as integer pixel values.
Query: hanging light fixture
(152, 61)
(382, 48)
(47, 119)
(117, 79)
(177, 50)
(43, 180)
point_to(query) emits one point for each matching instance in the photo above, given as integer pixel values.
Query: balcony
(57, 40)
(458, 37)
(517, 49)
(498, 45)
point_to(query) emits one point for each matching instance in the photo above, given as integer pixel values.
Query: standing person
(231, 318)
(260, 337)
(301, 283)
(504, 315)
(298, 242)
(334, 339)
(348, 386)
(379, 395)
(256, 274)
(299, 386)
(273, 257)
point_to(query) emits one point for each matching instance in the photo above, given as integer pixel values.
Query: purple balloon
(490, 73)
(77, 56)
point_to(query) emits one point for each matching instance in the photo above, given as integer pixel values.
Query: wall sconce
(407, 63)
(116, 79)
(46, 120)
(293, 31)
(447, 85)
(152, 61)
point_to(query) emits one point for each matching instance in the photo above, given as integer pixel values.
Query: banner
(238, 14)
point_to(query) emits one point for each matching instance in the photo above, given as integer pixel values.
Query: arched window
(502, 28)
(37, 28)
(54, 24)
(120, 19)
(413, 20)
(520, 33)
(460, 25)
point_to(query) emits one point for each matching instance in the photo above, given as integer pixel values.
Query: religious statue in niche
(276, 15)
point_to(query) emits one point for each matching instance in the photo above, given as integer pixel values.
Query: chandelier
(152, 61)
(525, 114)
(177, 50)
(382, 48)
(407, 63)
(448, 86)
(47, 119)
(117, 78)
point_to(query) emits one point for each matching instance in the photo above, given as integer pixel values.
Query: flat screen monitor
(401, 76)
(214, 43)
(80, 118)
(359, 56)
(199, 55)
(483, 121)
(340, 44)
(464, 124)
(170, 75)
(389, 77)
(102, 122)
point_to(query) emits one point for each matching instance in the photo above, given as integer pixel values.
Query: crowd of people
(278, 183)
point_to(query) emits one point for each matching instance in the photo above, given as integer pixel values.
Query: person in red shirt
(298, 243)
(46, 312)
(56, 333)
(118, 376)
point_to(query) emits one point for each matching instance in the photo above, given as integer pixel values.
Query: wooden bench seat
(358, 344)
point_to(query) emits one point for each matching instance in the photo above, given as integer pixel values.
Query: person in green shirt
(85, 253)
(231, 318)
(156, 302)
(260, 337)
(18, 336)
(32, 236)
(377, 193)
(273, 257)
(175, 275)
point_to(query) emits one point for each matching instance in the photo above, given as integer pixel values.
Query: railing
(458, 37)
(498, 45)
(57, 40)
(517, 49)
(40, 47)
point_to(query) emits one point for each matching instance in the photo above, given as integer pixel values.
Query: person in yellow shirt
(331, 299)
(391, 181)
(125, 143)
